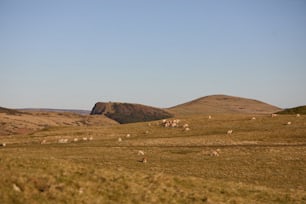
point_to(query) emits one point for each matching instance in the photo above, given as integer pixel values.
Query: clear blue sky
(71, 54)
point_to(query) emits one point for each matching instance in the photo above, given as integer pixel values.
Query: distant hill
(9, 111)
(82, 112)
(129, 113)
(296, 110)
(219, 104)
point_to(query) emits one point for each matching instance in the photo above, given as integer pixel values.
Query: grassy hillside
(262, 161)
(296, 110)
(222, 104)
(15, 122)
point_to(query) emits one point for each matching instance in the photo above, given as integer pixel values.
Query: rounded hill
(223, 104)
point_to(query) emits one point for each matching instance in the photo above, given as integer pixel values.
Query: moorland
(48, 157)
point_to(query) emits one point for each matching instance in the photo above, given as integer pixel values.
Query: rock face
(129, 113)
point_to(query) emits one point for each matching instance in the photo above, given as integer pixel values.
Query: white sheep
(253, 118)
(140, 152)
(128, 135)
(186, 129)
(273, 115)
(75, 139)
(16, 188)
(298, 115)
(289, 123)
(43, 142)
(174, 124)
(3, 145)
(62, 140)
(229, 132)
(119, 139)
(90, 138)
(84, 138)
(185, 125)
(214, 153)
(209, 117)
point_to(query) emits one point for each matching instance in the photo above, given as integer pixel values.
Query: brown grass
(263, 161)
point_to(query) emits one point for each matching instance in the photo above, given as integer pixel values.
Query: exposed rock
(129, 113)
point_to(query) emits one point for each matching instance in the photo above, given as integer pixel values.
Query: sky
(71, 54)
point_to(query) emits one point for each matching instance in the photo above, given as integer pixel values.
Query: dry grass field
(262, 161)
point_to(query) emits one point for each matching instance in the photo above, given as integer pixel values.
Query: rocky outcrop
(129, 113)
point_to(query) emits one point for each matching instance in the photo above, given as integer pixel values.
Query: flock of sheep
(175, 123)
(66, 140)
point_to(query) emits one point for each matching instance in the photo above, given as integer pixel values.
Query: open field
(262, 161)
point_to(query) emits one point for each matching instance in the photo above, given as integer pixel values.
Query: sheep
(3, 144)
(229, 132)
(298, 115)
(186, 129)
(90, 138)
(119, 139)
(185, 125)
(16, 188)
(174, 124)
(214, 153)
(75, 139)
(128, 135)
(43, 142)
(273, 115)
(62, 140)
(84, 138)
(253, 118)
(140, 152)
(144, 160)
(209, 117)
(289, 123)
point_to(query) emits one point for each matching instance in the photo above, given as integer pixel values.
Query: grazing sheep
(209, 117)
(3, 145)
(128, 136)
(90, 138)
(144, 160)
(43, 142)
(16, 188)
(186, 129)
(185, 125)
(119, 139)
(214, 153)
(273, 115)
(174, 124)
(85, 139)
(140, 152)
(298, 115)
(289, 123)
(75, 139)
(253, 118)
(229, 132)
(147, 132)
(62, 141)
